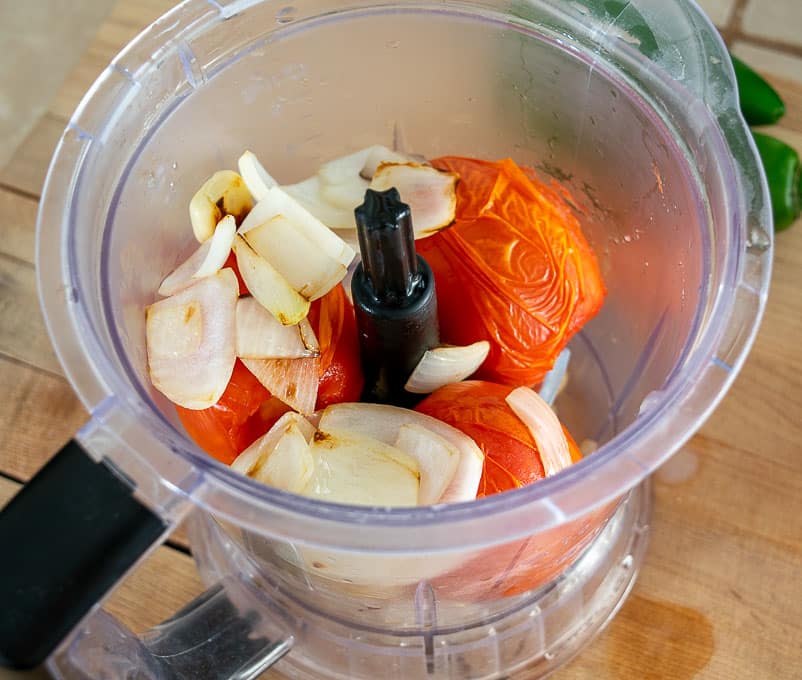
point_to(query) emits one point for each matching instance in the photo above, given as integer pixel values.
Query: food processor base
(543, 631)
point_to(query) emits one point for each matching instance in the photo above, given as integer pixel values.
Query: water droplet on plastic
(548, 656)
(649, 402)
(285, 15)
(627, 238)
(174, 165)
(627, 562)
(393, 44)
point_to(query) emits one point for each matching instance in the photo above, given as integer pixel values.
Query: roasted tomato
(332, 318)
(479, 409)
(513, 269)
(244, 413)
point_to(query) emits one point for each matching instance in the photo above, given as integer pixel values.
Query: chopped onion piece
(208, 259)
(261, 336)
(465, 484)
(182, 276)
(347, 195)
(281, 457)
(437, 460)
(380, 154)
(446, 365)
(340, 185)
(545, 427)
(294, 381)
(268, 286)
(430, 193)
(290, 465)
(190, 339)
(383, 422)
(302, 263)
(358, 470)
(308, 194)
(279, 203)
(256, 178)
(224, 193)
(344, 168)
(351, 237)
(308, 337)
(220, 247)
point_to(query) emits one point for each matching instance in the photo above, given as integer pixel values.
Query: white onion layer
(224, 193)
(430, 193)
(545, 427)
(261, 336)
(383, 422)
(256, 178)
(445, 365)
(207, 259)
(294, 381)
(268, 286)
(280, 457)
(190, 340)
(359, 470)
(437, 460)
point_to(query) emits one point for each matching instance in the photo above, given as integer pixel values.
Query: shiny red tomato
(513, 269)
(479, 409)
(247, 410)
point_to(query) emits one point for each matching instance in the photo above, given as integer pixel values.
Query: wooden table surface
(720, 594)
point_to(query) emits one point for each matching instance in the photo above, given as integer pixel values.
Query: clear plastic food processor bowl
(630, 105)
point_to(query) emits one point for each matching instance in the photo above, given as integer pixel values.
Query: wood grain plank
(39, 412)
(18, 215)
(159, 587)
(121, 26)
(27, 168)
(22, 334)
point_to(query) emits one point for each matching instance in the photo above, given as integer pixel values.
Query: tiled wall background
(766, 34)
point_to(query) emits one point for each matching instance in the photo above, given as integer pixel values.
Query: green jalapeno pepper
(760, 103)
(784, 173)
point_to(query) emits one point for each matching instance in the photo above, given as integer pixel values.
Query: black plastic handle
(65, 539)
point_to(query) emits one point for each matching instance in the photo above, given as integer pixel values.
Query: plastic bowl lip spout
(684, 402)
